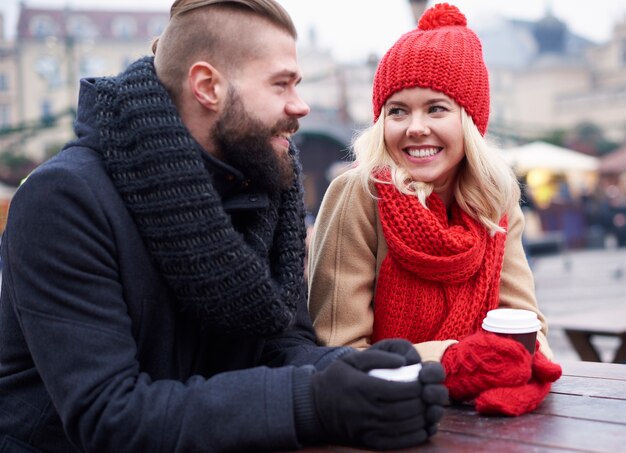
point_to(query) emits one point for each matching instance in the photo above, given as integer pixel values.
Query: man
(153, 292)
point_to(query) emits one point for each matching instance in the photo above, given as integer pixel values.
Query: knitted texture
(545, 370)
(234, 285)
(484, 361)
(512, 401)
(517, 400)
(440, 276)
(441, 54)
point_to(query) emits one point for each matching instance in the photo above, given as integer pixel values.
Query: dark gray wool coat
(96, 353)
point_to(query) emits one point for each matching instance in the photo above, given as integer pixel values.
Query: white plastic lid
(510, 320)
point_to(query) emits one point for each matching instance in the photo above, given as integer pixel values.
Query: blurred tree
(15, 167)
(555, 137)
(588, 138)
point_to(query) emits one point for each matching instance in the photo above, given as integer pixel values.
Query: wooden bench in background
(582, 327)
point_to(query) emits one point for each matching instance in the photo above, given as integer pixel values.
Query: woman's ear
(207, 85)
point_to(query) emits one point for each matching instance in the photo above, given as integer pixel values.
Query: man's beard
(244, 143)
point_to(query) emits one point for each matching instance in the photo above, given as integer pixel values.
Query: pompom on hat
(441, 54)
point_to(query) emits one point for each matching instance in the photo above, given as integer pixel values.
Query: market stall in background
(558, 184)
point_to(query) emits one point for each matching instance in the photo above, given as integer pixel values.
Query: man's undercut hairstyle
(220, 32)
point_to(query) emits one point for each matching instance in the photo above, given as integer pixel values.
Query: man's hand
(358, 409)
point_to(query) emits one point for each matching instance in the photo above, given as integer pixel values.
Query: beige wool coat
(347, 250)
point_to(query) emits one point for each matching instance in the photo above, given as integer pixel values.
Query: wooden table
(585, 412)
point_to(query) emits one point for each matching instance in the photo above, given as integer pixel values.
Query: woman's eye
(437, 109)
(393, 111)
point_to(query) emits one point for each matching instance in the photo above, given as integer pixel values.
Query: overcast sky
(353, 29)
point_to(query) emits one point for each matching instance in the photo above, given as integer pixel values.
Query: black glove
(432, 377)
(356, 408)
(434, 394)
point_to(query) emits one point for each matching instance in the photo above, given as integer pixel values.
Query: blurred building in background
(545, 78)
(54, 49)
(8, 85)
(547, 84)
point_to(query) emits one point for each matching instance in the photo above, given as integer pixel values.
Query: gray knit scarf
(234, 286)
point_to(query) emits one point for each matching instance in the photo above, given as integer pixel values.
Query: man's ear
(207, 84)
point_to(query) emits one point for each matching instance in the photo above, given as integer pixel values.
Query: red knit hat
(441, 54)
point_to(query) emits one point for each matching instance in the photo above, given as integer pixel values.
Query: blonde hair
(486, 187)
(219, 31)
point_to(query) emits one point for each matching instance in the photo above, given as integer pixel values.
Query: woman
(423, 235)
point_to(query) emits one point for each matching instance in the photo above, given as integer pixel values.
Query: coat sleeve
(517, 285)
(61, 277)
(298, 345)
(342, 264)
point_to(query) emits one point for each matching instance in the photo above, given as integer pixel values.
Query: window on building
(49, 68)
(47, 118)
(4, 82)
(81, 27)
(42, 26)
(124, 27)
(5, 116)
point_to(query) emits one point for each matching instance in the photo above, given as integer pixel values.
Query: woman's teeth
(422, 152)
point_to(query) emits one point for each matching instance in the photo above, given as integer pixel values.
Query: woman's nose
(417, 127)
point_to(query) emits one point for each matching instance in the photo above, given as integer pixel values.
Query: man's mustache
(289, 125)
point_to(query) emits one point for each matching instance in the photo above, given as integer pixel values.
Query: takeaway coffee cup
(520, 325)
(406, 373)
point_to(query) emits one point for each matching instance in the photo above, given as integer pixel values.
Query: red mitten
(545, 370)
(484, 361)
(519, 400)
(512, 401)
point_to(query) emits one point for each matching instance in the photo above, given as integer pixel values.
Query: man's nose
(297, 107)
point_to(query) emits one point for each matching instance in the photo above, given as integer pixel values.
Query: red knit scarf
(440, 276)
